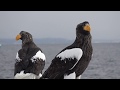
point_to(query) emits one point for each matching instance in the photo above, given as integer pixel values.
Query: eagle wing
(33, 61)
(63, 63)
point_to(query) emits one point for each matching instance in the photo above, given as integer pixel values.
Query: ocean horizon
(104, 64)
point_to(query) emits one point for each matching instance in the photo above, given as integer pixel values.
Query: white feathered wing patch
(71, 53)
(39, 55)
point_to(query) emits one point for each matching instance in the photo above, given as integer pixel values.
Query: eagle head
(24, 36)
(83, 27)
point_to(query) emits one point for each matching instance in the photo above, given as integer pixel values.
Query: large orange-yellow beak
(18, 37)
(87, 27)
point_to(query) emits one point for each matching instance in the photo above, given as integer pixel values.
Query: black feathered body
(56, 71)
(25, 63)
(84, 42)
(75, 58)
(59, 68)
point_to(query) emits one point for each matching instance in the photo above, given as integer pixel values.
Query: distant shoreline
(53, 41)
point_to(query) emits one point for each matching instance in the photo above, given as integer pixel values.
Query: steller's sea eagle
(30, 59)
(72, 61)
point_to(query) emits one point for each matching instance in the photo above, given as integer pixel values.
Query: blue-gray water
(105, 63)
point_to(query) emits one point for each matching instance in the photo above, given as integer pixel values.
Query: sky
(105, 25)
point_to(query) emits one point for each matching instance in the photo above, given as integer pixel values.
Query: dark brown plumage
(30, 60)
(65, 66)
(84, 41)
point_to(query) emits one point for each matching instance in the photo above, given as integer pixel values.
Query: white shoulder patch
(71, 53)
(17, 58)
(39, 55)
